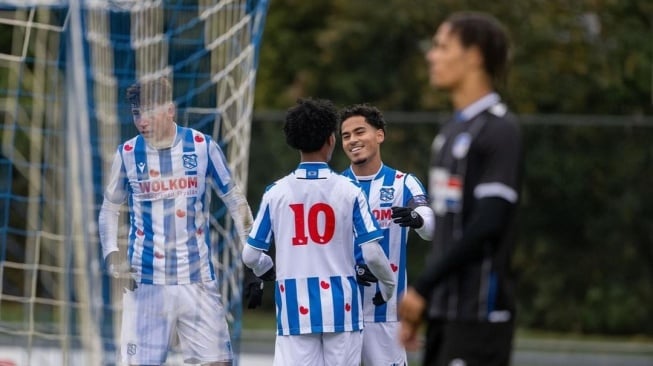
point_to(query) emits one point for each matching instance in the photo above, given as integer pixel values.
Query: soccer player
(312, 214)
(164, 175)
(399, 202)
(474, 185)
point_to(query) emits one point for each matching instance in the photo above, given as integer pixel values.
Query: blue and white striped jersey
(166, 193)
(389, 187)
(312, 215)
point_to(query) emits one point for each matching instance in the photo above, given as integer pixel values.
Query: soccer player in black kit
(465, 290)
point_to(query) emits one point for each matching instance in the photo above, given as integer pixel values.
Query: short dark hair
(309, 124)
(372, 115)
(488, 34)
(150, 92)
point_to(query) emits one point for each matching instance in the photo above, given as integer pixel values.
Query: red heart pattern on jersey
(347, 307)
(325, 285)
(394, 267)
(199, 138)
(281, 288)
(181, 213)
(128, 148)
(154, 173)
(303, 310)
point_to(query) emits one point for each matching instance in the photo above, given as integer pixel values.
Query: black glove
(378, 299)
(270, 275)
(406, 216)
(120, 270)
(253, 290)
(364, 276)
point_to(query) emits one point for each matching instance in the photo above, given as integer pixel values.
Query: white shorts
(381, 345)
(154, 314)
(320, 349)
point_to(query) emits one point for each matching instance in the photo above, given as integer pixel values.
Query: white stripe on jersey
(389, 187)
(316, 218)
(168, 239)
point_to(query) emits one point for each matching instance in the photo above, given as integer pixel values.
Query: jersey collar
(312, 170)
(477, 107)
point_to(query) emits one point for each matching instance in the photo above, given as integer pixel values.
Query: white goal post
(64, 69)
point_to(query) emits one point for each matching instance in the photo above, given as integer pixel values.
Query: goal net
(64, 68)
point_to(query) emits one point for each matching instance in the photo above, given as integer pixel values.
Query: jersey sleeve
(260, 237)
(116, 190)
(414, 194)
(218, 170)
(366, 228)
(502, 150)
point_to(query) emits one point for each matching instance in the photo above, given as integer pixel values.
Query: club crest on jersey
(438, 142)
(460, 145)
(190, 161)
(387, 194)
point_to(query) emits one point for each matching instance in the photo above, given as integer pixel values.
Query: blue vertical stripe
(365, 186)
(315, 304)
(380, 311)
(401, 280)
(277, 300)
(492, 293)
(192, 245)
(142, 171)
(292, 306)
(170, 233)
(354, 303)
(338, 298)
(261, 240)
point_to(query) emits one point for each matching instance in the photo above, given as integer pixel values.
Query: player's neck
(313, 157)
(165, 141)
(470, 90)
(367, 168)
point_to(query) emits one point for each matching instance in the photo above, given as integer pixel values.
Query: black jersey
(471, 160)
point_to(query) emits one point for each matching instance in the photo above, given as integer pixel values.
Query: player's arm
(379, 265)
(228, 192)
(258, 243)
(240, 212)
(495, 198)
(260, 263)
(490, 217)
(108, 220)
(417, 212)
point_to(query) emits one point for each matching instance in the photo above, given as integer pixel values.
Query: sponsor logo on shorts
(131, 349)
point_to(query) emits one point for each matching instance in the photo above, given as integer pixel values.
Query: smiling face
(362, 144)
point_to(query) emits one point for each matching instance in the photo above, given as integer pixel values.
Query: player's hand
(364, 276)
(411, 308)
(120, 270)
(378, 299)
(270, 275)
(406, 216)
(253, 290)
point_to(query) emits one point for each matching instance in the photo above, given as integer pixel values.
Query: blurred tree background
(581, 78)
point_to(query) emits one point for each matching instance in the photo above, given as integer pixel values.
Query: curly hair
(372, 115)
(309, 124)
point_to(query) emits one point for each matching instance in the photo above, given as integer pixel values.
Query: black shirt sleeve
(489, 219)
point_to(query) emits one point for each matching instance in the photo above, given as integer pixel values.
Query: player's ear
(380, 135)
(172, 110)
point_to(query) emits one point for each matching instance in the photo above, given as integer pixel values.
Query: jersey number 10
(314, 212)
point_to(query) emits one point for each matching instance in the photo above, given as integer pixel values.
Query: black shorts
(472, 343)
